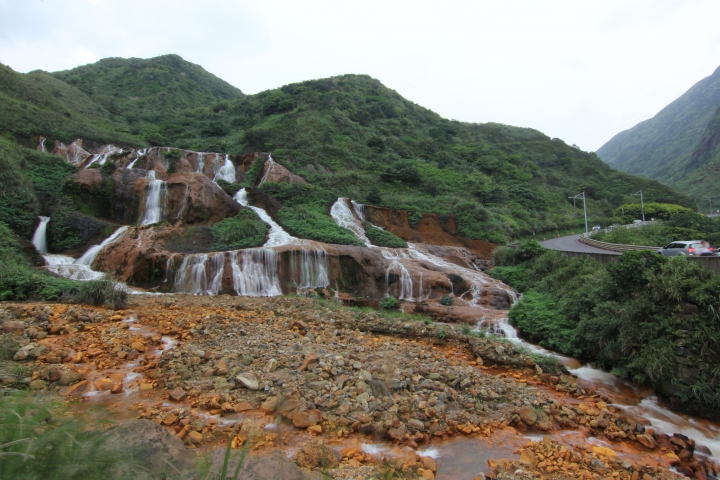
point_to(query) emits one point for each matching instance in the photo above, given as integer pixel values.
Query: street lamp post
(642, 203)
(584, 209)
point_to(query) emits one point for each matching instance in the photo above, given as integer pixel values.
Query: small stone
(243, 407)
(104, 384)
(178, 394)
(144, 387)
(248, 380)
(646, 441)
(312, 358)
(20, 355)
(37, 384)
(195, 437)
(271, 365)
(307, 418)
(70, 378)
(139, 346)
(479, 361)
(315, 429)
(269, 405)
(527, 458)
(528, 415)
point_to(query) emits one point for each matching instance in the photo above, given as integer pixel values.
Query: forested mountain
(348, 135)
(678, 146)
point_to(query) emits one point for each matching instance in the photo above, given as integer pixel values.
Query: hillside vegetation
(679, 145)
(647, 318)
(351, 136)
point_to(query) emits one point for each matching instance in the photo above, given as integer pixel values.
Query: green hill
(39, 104)
(146, 93)
(348, 136)
(678, 146)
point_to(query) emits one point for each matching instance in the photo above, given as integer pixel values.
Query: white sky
(579, 70)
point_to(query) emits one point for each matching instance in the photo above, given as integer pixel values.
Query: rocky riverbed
(349, 392)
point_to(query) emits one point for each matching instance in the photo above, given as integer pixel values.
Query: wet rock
(269, 406)
(289, 407)
(251, 433)
(646, 441)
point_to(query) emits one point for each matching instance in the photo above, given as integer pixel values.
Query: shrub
(383, 238)
(373, 196)
(102, 292)
(229, 188)
(466, 330)
(244, 230)
(389, 303)
(447, 300)
(442, 333)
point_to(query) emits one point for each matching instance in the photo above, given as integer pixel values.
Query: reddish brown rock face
(432, 229)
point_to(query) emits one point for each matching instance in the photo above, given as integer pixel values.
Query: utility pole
(584, 209)
(642, 204)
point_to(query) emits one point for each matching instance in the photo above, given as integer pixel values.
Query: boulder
(177, 394)
(13, 327)
(528, 415)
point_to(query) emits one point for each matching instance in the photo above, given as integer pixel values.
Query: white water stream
(226, 172)
(662, 419)
(277, 237)
(155, 200)
(105, 152)
(138, 155)
(343, 216)
(40, 236)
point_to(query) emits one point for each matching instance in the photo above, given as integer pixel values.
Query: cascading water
(309, 268)
(662, 419)
(359, 209)
(40, 237)
(270, 166)
(343, 216)
(155, 201)
(191, 275)
(226, 172)
(255, 272)
(184, 201)
(105, 152)
(42, 144)
(89, 256)
(406, 283)
(217, 266)
(200, 162)
(138, 155)
(80, 269)
(277, 237)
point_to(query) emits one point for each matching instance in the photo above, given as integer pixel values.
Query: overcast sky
(578, 70)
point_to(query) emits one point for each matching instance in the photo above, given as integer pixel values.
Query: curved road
(572, 244)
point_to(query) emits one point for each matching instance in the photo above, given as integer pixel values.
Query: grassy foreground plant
(38, 443)
(102, 292)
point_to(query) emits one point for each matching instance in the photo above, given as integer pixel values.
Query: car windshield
(699, 245)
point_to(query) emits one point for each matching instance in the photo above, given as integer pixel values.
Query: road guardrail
(616, 247)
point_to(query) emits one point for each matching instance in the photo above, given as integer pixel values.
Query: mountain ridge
(668, 146)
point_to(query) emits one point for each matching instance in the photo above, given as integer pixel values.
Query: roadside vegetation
(646, 318)
(674, 223)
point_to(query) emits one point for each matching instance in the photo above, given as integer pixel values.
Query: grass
(38, 441)
(383, 238)
(245, 230)
(102, 292)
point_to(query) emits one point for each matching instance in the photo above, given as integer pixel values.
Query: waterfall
(42, 144)
(191, 275)
(168, 269)
(344, 217)
(138, 154)
(64, 266)
(217, 266)
(241, 197)
(406, 283)
(255, 272)
(89, 256)
(40, 237)
(270, 166)
(105, 152)
(226, 172)
(184, 201)
(200, 162)
(310, 268)
(276, 236)
(155, 200)
(359, 210)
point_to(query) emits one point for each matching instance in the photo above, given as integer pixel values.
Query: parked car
(596, 228)
(695, 248)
